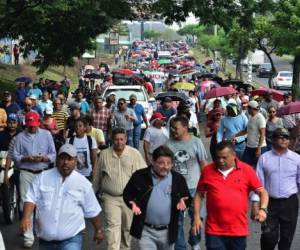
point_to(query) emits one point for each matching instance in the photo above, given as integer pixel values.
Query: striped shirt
(113, 172)
(60, 118)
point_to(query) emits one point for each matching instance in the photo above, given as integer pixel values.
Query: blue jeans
(250, 155)
(239, 149)
(74, 243)
(137, 130)
(129, 134)
(180, 243)
(218, 242)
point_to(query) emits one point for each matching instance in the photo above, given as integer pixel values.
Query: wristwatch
(264, 209)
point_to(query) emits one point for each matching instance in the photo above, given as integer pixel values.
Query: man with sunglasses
(279, 172)
(21, 113)
(141, 116)
(124, 117)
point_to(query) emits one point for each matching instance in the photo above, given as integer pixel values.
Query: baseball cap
(74, 105)
(287, 94)
(7, 93)
(133, 96)
(68, 149)
(256, 98)
(167, 99)
(112, 93)
(48, 111)
(33, 97)
(32, 119)
(157, 116)
(253, 104)
(12, 117)
(281, 132)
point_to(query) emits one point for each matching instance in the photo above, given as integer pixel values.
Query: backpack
(90, 142)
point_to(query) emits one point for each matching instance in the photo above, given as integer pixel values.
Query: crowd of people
(74, 158)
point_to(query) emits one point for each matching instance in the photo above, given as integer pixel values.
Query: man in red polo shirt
(227, 183)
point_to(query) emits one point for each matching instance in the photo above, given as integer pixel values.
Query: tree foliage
(287, 22)
(60, 30)
(152, 34)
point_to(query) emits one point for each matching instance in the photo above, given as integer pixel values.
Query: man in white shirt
(156, 135)
(256, 134)
(62, 198)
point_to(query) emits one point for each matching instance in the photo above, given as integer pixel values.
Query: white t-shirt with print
(84, 164)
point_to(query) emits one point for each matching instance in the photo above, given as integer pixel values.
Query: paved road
(13, 240)
(280, 64)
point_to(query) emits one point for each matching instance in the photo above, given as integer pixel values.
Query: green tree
(264, 35)
(152, 34)
(59, 30)
(287, 22)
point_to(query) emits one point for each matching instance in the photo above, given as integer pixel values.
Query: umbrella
(173, 72)
(236, 82)
(93, 76)
(206, 85)
(164, 61)
(175, 96)
(277, 95)
(126, 72)
(221, 91)
(25, 79)
(184, 86)
(291, 108)
(89, 67)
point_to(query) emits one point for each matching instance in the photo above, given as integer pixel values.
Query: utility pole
(142, 29)
(249, 80)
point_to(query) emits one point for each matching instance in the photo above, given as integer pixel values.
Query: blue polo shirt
(159, 205)
(139, 111)
(12, 108)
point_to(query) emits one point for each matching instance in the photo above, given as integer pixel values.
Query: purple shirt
(279, 174)
(21, 94)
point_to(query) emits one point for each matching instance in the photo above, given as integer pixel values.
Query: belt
(283, 199)
(155, 227)
(34, 171)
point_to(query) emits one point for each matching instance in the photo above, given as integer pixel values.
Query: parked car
(283, 80)
(125, 91)
(8, 193)
(265, 70)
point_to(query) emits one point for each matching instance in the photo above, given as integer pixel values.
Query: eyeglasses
(283, 137)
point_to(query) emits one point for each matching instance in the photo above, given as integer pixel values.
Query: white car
(124, 91)
(283, 80)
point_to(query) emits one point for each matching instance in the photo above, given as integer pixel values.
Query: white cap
(48, 111)
(68, 149)
(253, 104)
(112, 93)
(33, 97)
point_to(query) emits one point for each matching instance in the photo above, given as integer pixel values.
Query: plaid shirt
(101, 118)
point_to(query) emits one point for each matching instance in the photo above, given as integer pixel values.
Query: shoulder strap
(90, 141)
(71, 141)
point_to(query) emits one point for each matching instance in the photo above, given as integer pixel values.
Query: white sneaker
(27, 244)
(196, 247)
